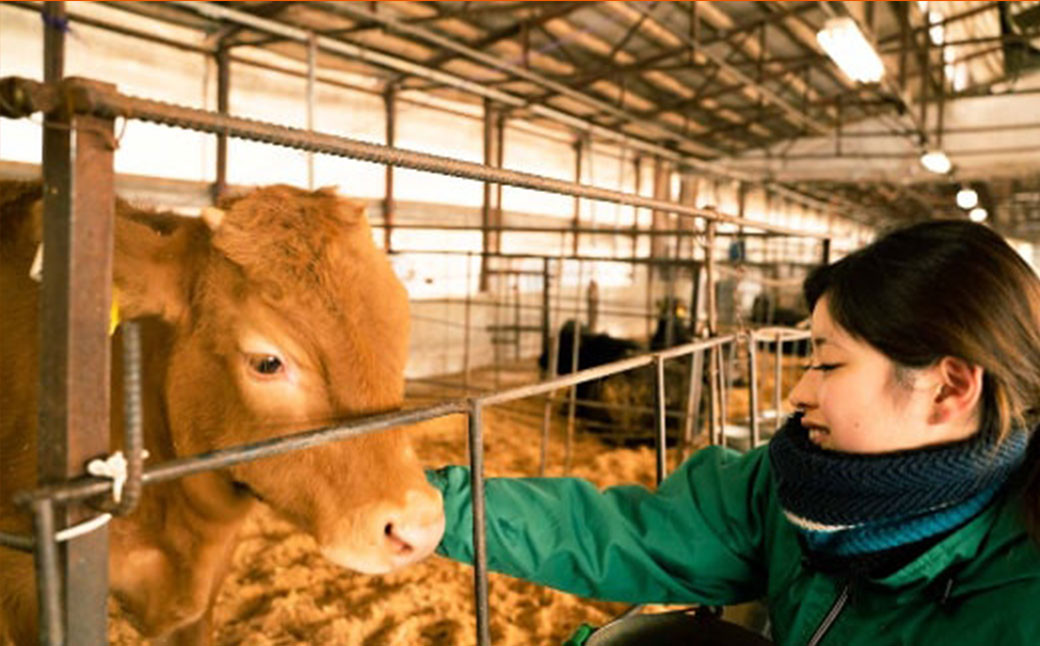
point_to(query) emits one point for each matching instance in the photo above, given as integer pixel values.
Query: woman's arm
(697, 539)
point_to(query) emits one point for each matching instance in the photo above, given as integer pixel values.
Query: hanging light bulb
(967, 198)
(978, 214)
(936, 161)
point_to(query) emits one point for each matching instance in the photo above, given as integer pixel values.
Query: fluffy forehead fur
(289, 236)
(305, 263)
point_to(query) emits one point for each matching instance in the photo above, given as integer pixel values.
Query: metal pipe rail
(21, 97)
(599, 372)
(657, 262)
(89, 487)
(625, 230)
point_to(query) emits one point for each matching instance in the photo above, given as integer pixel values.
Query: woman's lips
(817, 433)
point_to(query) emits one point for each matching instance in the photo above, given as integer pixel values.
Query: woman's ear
(959, 391)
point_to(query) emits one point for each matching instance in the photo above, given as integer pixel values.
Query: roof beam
(649, 62)
(551, 11)
(525, 74)
(754, 87)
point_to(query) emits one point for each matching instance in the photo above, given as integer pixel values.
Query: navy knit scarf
(850, 507)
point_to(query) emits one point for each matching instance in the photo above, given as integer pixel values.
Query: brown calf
(274, 315)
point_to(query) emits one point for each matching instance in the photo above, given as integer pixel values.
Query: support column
(579, 152)
(662, 191)
(636, 188)
(75, 300)
(55, 21)
(390, 103)
(223, 58)
(491, 212)
(312, 75)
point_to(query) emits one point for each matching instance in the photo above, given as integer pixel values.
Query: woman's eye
(823, 367)
(265, 364)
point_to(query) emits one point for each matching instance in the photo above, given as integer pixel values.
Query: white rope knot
(114, 468)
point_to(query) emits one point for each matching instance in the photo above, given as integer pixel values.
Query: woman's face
(853, 400)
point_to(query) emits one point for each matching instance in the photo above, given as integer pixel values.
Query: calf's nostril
(398, 545)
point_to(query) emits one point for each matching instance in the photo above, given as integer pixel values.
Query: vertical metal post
(546, 287)
(223, 57)
(940, 108)
(663, 192)
(648, 306)
(489, 240)
(778, 375)
(496, 344)
(926, 79)
(390, 105)
(554, 362)
(75, 299)
(568, 452)
(467, 323)
(312, 72)
(636, 188)
(825, 252)
(691, 422)
(716, 351)
(543, 461)
(54, 21)
(753, 388)
(725, 358)
(579, 152)
(673, 299)
(661, 419)
(695, 290)
(48, 578)
(517, 280)
(500, 160)
(480, 568)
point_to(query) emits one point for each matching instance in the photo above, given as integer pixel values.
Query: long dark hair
(950, 288)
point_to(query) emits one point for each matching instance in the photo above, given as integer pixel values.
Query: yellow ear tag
(113, 314)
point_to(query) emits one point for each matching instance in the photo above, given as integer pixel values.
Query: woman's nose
(803, 395)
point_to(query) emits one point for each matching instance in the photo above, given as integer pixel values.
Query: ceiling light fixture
(967, 198)
(978, 214)
(849, 49)
(936, 161)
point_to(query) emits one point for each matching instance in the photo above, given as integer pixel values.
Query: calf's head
(286, 316)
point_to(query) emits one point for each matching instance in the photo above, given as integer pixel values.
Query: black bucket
(698, 627)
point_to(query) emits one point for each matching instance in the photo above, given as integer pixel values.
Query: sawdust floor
(282, 592)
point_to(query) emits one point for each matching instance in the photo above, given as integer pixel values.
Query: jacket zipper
(832, 616)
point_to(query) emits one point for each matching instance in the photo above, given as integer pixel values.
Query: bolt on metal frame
(79, 181)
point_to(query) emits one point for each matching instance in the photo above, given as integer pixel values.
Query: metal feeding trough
(693, 627)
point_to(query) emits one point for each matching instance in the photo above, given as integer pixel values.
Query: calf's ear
(152, 268)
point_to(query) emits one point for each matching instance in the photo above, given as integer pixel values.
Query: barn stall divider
(79, 142)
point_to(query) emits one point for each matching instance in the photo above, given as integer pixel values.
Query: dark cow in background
(275, 315)
(621, 407)
(594, 349)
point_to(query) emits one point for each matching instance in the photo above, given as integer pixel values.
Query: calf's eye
(265, 364)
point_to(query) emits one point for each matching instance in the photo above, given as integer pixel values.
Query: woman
(898, 505)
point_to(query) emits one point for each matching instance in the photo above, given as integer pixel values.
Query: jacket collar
(993, 549)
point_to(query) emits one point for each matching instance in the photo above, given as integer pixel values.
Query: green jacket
(713, 533)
